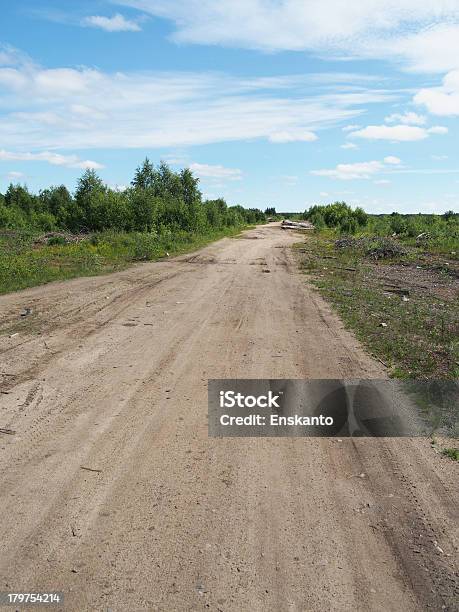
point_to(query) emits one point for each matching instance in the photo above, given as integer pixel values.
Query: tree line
(157, 199)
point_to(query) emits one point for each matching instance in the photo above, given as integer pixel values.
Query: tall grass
(24, 264)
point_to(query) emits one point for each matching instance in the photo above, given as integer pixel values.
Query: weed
(452, 453)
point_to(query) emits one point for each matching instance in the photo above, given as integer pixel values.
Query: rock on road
(110, 373)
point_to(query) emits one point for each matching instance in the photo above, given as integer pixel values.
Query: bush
(339, 216)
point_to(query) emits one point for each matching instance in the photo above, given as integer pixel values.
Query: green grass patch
(452, 453)
(411, 326)
(24, 263)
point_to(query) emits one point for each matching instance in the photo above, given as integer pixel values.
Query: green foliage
(159, 199)
(162, 211)
(22, 264)
(452, 453)
(338, 216)
(434, 233)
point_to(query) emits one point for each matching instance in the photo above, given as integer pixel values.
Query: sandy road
(111, 374)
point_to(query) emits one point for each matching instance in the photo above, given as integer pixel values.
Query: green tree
(18, 196)
(58, 202)
(89, 201)
(144, 209)
(192, 199)
(144, 177)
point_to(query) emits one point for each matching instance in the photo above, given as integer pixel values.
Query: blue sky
(286, 103)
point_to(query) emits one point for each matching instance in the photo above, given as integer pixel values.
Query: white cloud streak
(423, 35)
(117, 23)
(397, 133)
(80, 108)
(408, 118)
(292, 136)
(391, 159)
(348, 172)
(358, 170)
(216, 172)
(55, 159)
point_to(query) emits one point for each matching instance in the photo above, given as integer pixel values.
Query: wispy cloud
(55, 159)
(408, 118)
(77, 108)
(397, 133)
(392, 160)
(348, 172)
(216, 172)
(14, 175)
(378, 29)
(293, 136)
(117, 23)
(358, 170)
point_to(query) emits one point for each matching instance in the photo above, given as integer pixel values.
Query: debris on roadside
(26, 312)
(375, 247)
(298, 225)
(59, 238)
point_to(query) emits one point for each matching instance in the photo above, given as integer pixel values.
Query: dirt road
(110, 373)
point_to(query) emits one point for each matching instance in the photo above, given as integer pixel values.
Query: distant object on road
(298, 225)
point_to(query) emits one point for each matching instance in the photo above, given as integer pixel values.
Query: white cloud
(216, 172)
(423, 35)
(349, 145)
(444, 100)
(439, 157)
(117, 23)
(433, 48)
(397, 133)
(391, 159)
(438, 129)
(14, 175)
(408, 118)
(81, 108)
(292, 136)
(323, 194)
(347, 172)
(350, 128)
(68, 161)
(382, 182)
(359, 170)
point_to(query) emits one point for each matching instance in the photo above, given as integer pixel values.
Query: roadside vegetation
(394, 279)
(57, 235)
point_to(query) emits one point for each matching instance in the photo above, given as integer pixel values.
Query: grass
(24, 263)
(416, 333)
(452, 453)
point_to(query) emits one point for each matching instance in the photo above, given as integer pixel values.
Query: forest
(158, 199)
